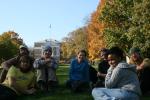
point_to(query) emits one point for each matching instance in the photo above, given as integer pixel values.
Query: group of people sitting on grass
(24, 75)
(115, 79)
(123, 79)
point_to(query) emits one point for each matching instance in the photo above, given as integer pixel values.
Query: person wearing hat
(23, 50)
(46, 70)
(142, 67)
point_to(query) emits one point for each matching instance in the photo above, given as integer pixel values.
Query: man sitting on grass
(46, 70)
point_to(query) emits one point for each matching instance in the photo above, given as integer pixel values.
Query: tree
(139, 31)
(75, 41)
(116, 16)
(8, 46)
(95, 28)
(127, 24)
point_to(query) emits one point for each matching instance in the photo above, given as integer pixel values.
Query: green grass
(61, 93)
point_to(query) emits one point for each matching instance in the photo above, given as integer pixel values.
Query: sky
(37, 20)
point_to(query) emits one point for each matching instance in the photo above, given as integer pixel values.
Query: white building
(38, 48)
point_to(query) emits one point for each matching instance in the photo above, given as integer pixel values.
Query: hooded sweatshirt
(123, 76)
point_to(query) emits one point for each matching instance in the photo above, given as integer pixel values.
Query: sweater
(79, 71)
(123, 76)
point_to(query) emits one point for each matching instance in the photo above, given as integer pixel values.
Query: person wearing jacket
(79, 73)
(46, 70)
(121, 82)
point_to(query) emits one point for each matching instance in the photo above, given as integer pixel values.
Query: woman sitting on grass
(23, 51)
(79, 73)
(19, 80)
(121, 81)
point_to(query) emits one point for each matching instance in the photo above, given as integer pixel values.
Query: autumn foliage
(95, 39)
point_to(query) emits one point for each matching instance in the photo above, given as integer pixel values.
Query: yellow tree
(11, 36)
(96, 39)
(75, 41)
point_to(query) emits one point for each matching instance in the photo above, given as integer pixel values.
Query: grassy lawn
(61, 93)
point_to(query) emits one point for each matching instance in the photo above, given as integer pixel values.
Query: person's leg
(79, 86)
(7, 93)
(83, 87)
(41, 79)
(74, 85)
(41, 85)
(52, 75)
(101, 94)
(113, 94)
(52, 85)
(3, 75)
(68, 83)
(52, 79)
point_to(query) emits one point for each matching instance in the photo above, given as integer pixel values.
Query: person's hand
(98, 74)
(139, 67)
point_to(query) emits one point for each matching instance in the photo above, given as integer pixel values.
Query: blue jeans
(113, 94)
